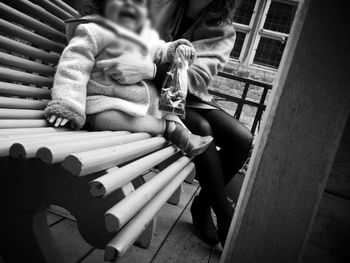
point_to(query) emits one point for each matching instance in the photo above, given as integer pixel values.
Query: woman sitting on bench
(119, 28)
(207, 25)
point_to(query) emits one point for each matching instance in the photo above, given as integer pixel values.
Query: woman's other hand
(127, 69)
(58, 121)
(189, 53)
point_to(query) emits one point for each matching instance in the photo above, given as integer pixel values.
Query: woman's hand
(127, 69)
(58, 121)
(189, 53)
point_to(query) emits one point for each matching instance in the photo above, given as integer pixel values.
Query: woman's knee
(247, 140)
(198, 124)
(243, 137)
(230, 133)
(204, 128)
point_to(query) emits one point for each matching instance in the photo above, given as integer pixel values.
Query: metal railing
(242, 100)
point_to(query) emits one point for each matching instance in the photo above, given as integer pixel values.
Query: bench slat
(5, 144)
(66, 7)
(22, 150)
(11, 14)
(32, 9)
(128, 235)
(11, 89)
(19, 137)
(21, 63)
(7, 124)
(53, 9)
(84, 163)
(122, 212)
(57, 152)
(17, 31)
(14, 103)
(25, 131)
(21, 114)
(112, 181)
(23, 77)
(24, 49)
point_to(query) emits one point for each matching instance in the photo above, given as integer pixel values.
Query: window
(280, 17)
(265, 25)
(237, 49)
(273, 33)
(244, 12)
(269, 52)
(242, 19)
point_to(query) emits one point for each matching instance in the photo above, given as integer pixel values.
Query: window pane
(269, 52)
(237, 49)
(244, 12)
(280, 17)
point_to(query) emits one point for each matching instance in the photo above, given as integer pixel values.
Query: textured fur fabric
(212, 42)
(80, 88)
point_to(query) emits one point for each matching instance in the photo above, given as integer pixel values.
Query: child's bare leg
(175, 118)
(117, 120)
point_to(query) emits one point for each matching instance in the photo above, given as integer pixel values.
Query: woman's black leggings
(216, 168)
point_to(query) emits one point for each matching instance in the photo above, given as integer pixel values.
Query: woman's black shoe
(223, 228)
(203, 221)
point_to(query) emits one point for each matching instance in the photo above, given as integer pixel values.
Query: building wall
(330, 237)
(263, 28)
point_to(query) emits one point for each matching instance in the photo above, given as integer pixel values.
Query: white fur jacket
(81, 89)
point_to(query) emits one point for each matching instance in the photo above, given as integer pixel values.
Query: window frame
(261, 32)
(247, 29)
(245, 45)
(255, 30)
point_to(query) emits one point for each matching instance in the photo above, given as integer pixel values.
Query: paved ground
(174, 241)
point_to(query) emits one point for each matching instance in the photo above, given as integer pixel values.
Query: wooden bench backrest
(31, 41)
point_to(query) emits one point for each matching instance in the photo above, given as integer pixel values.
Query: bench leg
(145, 239)
(175, 198)
(26, 235)
(190, 178)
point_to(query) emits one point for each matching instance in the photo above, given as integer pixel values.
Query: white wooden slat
(25, 131)
(17, 31)
(40, 28)
(23, 150)
(8, 124)
(57, 152)
(21, 114)
(127, 236)
(6, 143)
(66, 7)
(12, 89)
(92, 161)
(112, 181)
(25, 64)
(23, 77)
(24, 49)
(53, 9)
(19, 137)
(14, 103)
(30, 8)
(122, 212)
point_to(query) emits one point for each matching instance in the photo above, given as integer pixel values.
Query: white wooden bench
(97, 176)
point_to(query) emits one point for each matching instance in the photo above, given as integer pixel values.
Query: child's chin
(128, 23)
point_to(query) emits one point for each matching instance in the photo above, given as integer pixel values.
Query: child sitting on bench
(84, 88)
